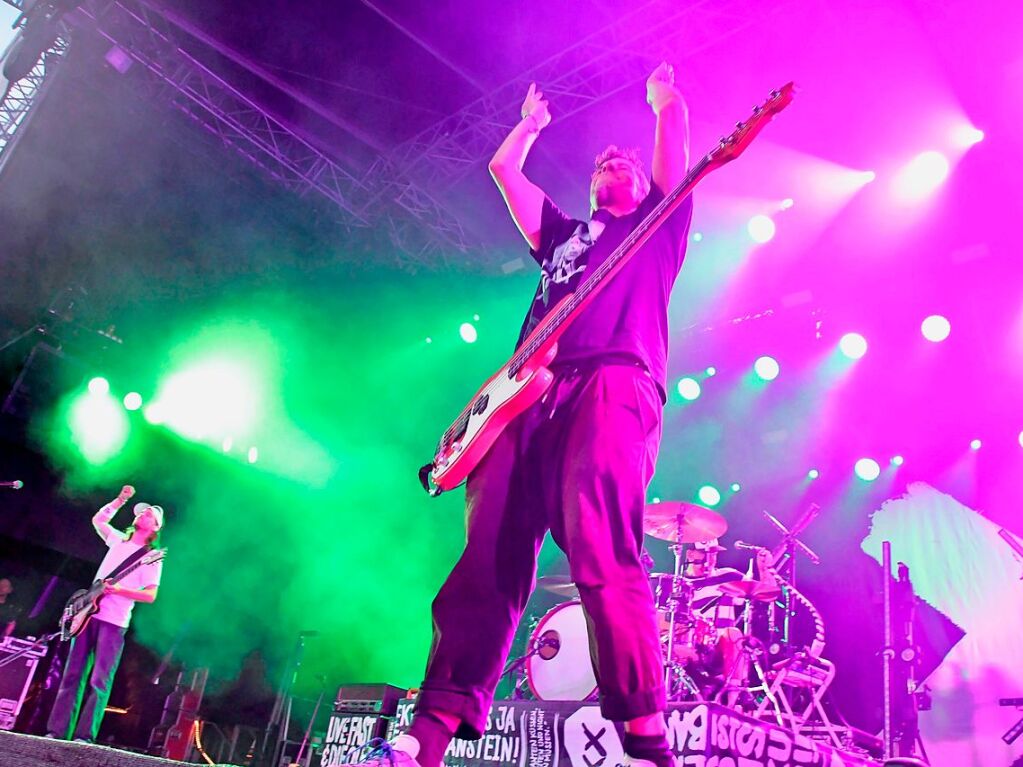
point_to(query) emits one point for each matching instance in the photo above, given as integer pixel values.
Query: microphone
(15, 485)
(747, 546)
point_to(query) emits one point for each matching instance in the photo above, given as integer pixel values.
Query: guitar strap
(128, 562)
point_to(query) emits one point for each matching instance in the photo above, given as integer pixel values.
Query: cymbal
(756, 590)
(681, 522)
(561, 585)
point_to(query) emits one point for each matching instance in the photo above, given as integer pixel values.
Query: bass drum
(560, 667)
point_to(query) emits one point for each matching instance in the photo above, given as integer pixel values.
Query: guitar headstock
(153, 557)
(736, 142)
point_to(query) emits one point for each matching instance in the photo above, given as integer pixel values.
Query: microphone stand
(43, 640)
(514, 666)
(783, 559)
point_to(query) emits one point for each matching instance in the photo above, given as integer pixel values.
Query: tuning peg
(739, 125)
(721, 142)
(756, 109)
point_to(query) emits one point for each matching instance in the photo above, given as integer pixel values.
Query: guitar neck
(554, 325)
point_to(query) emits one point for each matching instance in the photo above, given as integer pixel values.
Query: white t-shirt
(117, 609)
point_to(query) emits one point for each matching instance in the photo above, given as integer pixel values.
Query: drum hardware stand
(783, 557)
(681, 618)
(517, 665)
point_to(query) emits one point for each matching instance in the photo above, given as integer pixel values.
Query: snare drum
(560, 668)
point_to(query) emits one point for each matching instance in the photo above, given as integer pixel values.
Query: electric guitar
(526, 376)
(84, 603)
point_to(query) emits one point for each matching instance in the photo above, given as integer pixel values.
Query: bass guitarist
(102, 639)
(578, 461)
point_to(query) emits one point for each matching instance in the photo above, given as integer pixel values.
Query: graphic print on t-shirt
(565, 263)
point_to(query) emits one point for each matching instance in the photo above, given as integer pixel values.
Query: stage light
(656, 500)
(697, 236)
(736, 487)
(711, 371)
(975, 444)
(853, 345)
(867, 176)
(812, 474)
(689, 389)
(476, 318)
(709, 495)
(210, 399)
(98, 426)
(154, 414)
(898, 460)
(132, 400)
(766, 368)
(99, 385)
(935, 328)
(468, 332)
(921, 176)
(227, 444)
(253, 454)
(760, 228)
(965, 135)
(787, 203)
(1021, 439)
(429, 340)
(867, 469)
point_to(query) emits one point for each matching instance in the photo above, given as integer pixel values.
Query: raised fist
(660, 87)
(126, 492)
(536, 105)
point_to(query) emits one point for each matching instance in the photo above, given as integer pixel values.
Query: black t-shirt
(629, 317)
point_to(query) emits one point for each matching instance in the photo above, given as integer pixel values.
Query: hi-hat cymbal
(561, 585)
(681, 522)
(756, 590)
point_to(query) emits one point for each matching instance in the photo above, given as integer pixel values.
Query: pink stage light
(921, 176)
(965, 135)
(975, 444)
(760, 228)
(935, 328)
(1021, 439)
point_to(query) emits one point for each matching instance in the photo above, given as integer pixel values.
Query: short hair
(631, 154)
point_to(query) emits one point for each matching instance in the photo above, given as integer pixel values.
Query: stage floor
(17, 750)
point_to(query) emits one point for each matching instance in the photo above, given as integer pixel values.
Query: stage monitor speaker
(16, 676)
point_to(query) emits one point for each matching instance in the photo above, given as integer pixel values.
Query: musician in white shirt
(103, 636)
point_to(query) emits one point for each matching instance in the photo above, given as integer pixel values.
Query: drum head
(561, 668)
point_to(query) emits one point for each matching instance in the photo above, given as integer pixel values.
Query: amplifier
(379, 699)
(16, 676)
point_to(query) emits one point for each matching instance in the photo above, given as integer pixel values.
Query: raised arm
(101, 519)
(671, 140)
(523, 198)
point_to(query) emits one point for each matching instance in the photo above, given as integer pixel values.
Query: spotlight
(132, 400)
(709, 495)
(711, 371)
(921, 176)
(99, 386)
(975, 444)
(476, 318)
(736, 487)
(898, 460)
(965, 135)
(689, 389)
(468, 332)
(853, 345)
(697, 236)
(656, 500)
(1021, 439)
(429, 340)
(766, 368)
(868, 176)
(812, 474)
(253, 454)
(787, 203)
(227, 444)
(935, 328)
(760, 228)
(867, 469)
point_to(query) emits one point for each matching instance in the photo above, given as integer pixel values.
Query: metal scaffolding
(17, 103)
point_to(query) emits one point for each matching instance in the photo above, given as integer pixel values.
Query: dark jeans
(578, 463)
(101, 644)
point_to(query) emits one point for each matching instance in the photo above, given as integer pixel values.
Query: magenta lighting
(853, 345)
(921, 176)
(867, 469)
(935, 328)
(766, 368)
(966, 135)
(975, 444)
(760, 228)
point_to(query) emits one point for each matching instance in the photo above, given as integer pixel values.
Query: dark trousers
(577, 463)
(100, 644)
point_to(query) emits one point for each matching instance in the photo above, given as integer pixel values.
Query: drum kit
(704, 657)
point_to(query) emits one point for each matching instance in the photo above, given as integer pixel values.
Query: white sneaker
(401, 753)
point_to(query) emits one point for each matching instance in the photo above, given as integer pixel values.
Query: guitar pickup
(481, 404)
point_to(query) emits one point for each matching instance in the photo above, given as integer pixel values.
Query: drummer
(717, 614)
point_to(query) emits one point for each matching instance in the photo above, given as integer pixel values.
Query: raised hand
(660, 87)
(126, 492)
(535, 105)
